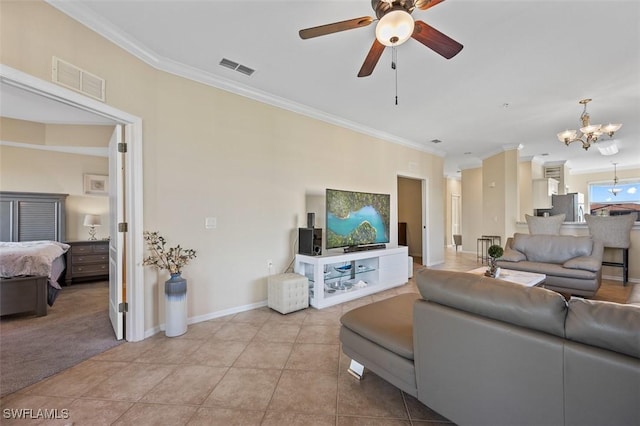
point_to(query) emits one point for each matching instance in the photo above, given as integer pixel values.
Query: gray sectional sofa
(481, 351)
(573, 265)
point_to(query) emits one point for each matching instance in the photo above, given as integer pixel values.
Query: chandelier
(614, 190)
(589, 133)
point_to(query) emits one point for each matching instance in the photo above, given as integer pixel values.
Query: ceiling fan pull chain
(394, 66)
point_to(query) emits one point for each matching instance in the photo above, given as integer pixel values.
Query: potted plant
(172, 259)
(494, 252)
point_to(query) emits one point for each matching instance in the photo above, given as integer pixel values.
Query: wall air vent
(227, 63)
(553, 172)
(72, 77)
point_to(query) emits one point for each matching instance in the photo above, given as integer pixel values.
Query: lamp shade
(92, 220)
(395, 28)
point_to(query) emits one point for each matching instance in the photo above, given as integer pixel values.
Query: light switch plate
(210, 223)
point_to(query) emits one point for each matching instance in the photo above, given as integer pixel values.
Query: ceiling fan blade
(372, 59)
(335, 27)
(435, 40)
(426, 4)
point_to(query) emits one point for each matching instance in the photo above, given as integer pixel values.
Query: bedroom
(44, 151)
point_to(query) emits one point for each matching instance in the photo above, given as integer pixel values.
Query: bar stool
(457, 240)
(495, 239)
(482, 245)
(614, 232)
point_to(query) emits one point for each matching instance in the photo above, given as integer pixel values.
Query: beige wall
(525, 181)
(472, 216)
(210, 153)
(410, 211)
(37, 170)
(33, 170)
(500, 204)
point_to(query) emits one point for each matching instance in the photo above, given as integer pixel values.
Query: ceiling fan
(395, 26)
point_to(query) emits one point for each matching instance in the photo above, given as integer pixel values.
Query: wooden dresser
(87, 260)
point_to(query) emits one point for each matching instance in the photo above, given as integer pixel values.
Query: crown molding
(82, 14)
(78, 150)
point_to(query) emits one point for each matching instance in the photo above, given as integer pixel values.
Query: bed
(29, 222)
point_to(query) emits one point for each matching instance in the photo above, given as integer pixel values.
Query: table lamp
(92, 220)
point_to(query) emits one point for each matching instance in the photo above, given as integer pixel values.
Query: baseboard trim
(201, 318)
(619, 278)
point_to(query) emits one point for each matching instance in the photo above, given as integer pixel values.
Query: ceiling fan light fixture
(395, 27)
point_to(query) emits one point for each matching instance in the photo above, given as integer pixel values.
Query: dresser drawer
(89, 270)
(90, 258)
(90, 248)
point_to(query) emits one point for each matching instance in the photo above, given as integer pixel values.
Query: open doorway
(411, 217)
(132, 277)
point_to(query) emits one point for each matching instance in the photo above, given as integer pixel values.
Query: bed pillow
(540, 225)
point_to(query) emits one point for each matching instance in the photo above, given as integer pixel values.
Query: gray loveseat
(488, 352)
(573, 265)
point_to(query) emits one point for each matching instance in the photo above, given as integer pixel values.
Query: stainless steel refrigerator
(572, 205)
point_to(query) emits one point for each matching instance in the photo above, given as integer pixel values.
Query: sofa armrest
(591, 263)
(512, 255)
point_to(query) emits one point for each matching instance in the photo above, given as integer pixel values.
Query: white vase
(175, 296)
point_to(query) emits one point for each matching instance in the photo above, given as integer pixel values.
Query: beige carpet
(76, 328)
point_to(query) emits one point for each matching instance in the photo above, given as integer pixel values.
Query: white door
(456, 208)
(425, 222)
(116, 239)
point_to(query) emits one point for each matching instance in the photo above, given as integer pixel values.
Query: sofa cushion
(583, 262)
(540, 225)
(552, 248)
(549, 269)
(536, 308)
(608, 325)
(388, 322)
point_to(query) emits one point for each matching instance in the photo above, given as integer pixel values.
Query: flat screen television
(356, 218)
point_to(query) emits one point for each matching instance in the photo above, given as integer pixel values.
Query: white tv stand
(339, 277)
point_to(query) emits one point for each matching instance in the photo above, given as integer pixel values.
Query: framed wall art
(96, 185)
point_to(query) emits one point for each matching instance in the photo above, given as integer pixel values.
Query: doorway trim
(424, 181)
(134, 273)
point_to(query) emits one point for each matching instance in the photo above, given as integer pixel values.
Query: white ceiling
(524, 67)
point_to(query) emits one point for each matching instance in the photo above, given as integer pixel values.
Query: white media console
(339, 277)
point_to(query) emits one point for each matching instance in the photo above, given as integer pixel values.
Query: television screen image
(356, 218)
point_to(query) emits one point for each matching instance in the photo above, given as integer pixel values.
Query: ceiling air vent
(75, 78)
(227, 63)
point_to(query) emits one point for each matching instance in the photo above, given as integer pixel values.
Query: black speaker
(311, 220)
(310, 241)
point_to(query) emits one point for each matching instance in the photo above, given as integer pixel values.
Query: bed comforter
(31, 258)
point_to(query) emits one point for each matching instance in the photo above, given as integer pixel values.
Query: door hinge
(123, 227)
(123, 307)
(122, 147)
